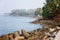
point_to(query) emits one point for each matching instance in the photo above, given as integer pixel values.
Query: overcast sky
(8, 5)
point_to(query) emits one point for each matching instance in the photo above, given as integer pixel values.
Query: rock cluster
(12, 36)
(39, 34)
(49, 31)
(33, 35)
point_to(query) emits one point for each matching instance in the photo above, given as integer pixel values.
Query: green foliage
(38, 11)
(46, 14)
(50, 8)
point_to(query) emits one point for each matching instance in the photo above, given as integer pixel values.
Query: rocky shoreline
(49, 31)
(33, 35)
(51, 28)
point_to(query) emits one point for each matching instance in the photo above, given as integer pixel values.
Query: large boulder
(16, 34)
(25, 34)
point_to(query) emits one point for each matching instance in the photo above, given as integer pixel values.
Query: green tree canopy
(50, 8)
(39, 11)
